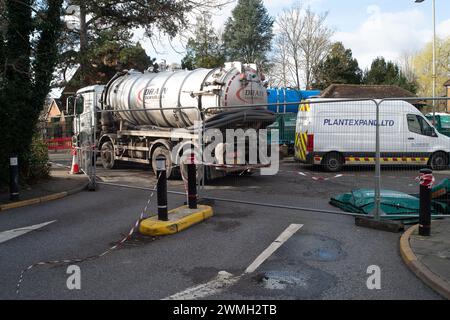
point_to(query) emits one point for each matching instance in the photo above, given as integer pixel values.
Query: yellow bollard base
(179, 219)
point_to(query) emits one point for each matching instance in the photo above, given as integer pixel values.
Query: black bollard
(426, 182)
(13, 178)
(161, 188)
(192, 183)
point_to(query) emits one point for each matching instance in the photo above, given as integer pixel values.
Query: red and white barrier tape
(318, 178)
(79, 260)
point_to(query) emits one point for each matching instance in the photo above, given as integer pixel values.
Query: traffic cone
(75, 169)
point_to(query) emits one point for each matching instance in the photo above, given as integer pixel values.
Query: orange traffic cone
(75, 169)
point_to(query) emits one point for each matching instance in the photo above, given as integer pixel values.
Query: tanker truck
(137, 117)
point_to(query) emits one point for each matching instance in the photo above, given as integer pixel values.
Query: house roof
(447, 83)
(346, 91)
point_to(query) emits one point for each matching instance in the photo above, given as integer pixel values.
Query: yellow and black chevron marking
(392, 160)
(300, 145)
(304, 107)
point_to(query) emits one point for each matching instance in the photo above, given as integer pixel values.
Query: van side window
(419, 125)
(414, 124)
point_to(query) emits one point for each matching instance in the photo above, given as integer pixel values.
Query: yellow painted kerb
(153, 227)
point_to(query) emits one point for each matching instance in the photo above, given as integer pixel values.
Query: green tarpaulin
(393, 202)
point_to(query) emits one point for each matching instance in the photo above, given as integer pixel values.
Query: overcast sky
(370, 28)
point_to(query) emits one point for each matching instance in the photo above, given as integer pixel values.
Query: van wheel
(108, 156)
(333, 162)
(439, 161)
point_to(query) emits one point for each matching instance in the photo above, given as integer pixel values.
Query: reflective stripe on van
(304, 107)
(384, 160)
(387, 160)
(300, 145)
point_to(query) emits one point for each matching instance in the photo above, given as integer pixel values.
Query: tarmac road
(327, 258)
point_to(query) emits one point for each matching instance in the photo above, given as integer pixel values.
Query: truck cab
(87, 102)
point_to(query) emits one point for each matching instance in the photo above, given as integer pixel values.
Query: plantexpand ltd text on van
(336, 133)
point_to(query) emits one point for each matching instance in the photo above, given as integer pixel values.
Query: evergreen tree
(108, 54)
(94, 17)
(248, 32)
(29, 56)
(203, 50)
(339, 67)
(387, 73)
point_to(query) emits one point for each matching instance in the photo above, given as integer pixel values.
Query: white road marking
(284, 236)
(11, 234)
(225, 279)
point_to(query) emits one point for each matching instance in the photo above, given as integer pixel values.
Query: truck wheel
(439, 161)
(332, 162)
(162, 151)
(108, 156)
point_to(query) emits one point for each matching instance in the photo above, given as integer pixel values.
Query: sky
(370, 28)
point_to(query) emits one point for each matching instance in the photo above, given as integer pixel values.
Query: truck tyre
(108, 155)
(171, 173)
(332, 162)
(439, 161)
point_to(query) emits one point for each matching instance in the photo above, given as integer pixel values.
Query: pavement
(59, 184)
(429, 257)
(327, 258)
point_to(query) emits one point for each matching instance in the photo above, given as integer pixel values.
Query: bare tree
(290, 25)
(280, 66)
(406, 63)
(315, 42)
(302, 42)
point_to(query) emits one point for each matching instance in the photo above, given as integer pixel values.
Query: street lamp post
(434, 57)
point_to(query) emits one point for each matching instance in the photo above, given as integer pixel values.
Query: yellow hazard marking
(304, 107)
(300, 145)
(387, 159)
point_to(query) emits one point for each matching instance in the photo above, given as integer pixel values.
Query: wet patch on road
(136, 240)
(222, 212)
(224, 226)
(200, 274)
(312, 247)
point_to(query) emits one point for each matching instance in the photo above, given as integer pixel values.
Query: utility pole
(434, 58)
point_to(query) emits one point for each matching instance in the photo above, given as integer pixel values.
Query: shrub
(34, 164)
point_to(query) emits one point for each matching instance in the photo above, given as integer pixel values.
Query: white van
(333, 134)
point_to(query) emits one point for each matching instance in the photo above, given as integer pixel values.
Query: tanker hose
(227, 118)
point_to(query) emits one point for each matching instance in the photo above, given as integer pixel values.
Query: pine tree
(339, 67)
(248, 32)
(203, 50)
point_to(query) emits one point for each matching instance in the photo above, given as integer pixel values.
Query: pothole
(281, 280)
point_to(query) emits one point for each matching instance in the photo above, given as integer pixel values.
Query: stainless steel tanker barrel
(164, 94)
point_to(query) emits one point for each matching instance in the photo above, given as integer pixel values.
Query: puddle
(324, 254)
